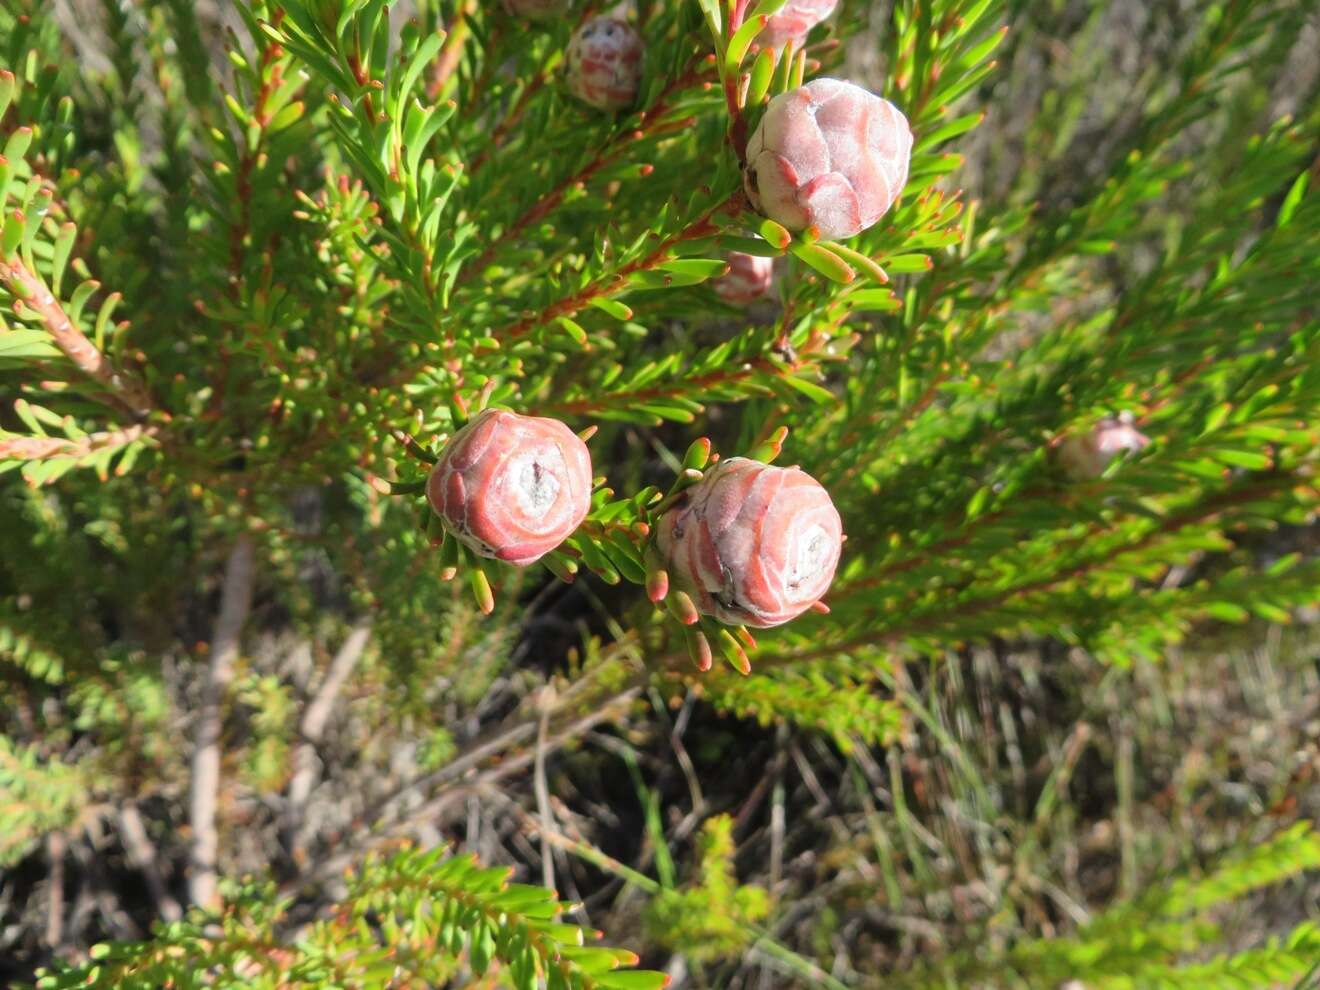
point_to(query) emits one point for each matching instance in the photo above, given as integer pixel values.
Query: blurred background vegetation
(1017, 812)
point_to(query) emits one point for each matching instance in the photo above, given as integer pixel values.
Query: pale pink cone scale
(749, 278)
(793, 22)
(751, 543)
(604, 63)
(829, 155)
(512, 487)
(1085, 456)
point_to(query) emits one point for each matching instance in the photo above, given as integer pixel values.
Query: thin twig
(315, 717)
(381, 829)
(542, 787)
(55, 848)
(235, 604)
(142, 854)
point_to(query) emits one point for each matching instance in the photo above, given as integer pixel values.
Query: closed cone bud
(512, 487)
(828, 155)
(749, 278)
(752, 543)
(537, 10)
(604, 63)
(1085, 456)
(794, 21)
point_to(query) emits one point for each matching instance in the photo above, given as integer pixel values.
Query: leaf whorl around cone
(752, 543)
(604, 63)
(830, 155)
(512, 487)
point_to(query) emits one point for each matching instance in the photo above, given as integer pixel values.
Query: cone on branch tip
(511, 487)
(749, 278)
(828, 156)
(751, 544)
(1086, 456)
(794, 21)
(604, 63)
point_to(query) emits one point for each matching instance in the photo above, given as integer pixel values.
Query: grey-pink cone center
(535, 478)
(812, 556)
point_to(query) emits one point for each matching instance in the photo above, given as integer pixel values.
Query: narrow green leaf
(824, 261)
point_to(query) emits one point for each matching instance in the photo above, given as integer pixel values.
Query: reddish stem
(612, 283)
(542, 208)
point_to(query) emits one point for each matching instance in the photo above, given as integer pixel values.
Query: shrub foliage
(258, 262)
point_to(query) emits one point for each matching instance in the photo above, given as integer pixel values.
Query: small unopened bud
(1085, 456)
(604, 63)
(749, 278)
(793, 22)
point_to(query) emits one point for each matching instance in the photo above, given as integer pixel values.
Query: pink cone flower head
(605, 63)
(793, 22)
(512, 487)
(752, 544)
(1084, 456)
(830, 155)
(537, 10)
(749, 278)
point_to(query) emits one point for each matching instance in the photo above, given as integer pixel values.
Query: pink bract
(793, 22)
(751, 543)
(1085, 456)
(605, 63)
(830, 155)
(748, 279)
(512, 487)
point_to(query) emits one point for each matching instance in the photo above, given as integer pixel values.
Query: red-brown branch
(124, 388)
(19, 448)
(543, 207)
(451, 53)
(608, 286)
